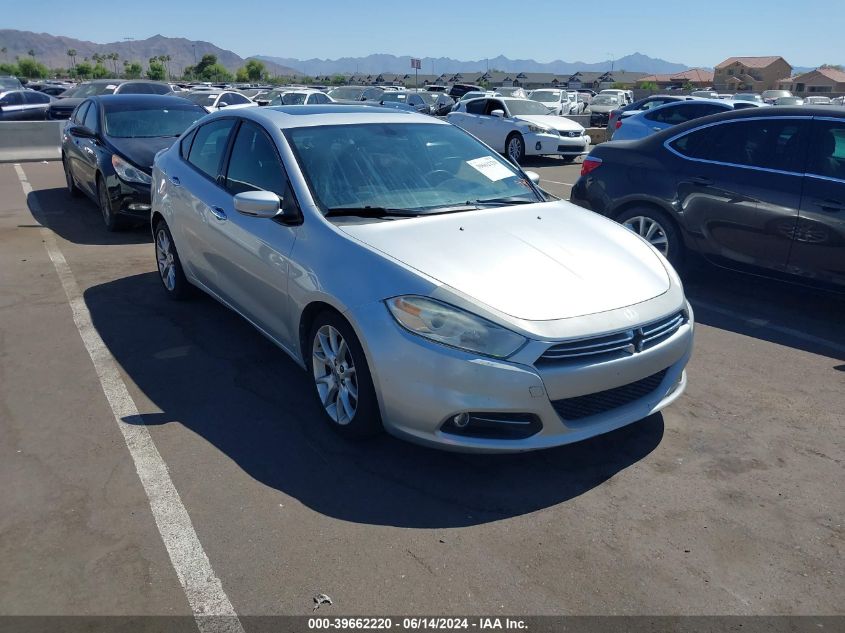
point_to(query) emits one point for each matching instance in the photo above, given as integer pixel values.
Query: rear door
(35, 105)
(468, 119)
(818, 250)
(86, 168)
(72, 146)
(201, 200)
(12, 107)
(739, 188)
(491, 129)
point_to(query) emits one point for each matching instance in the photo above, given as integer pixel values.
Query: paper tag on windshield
(490, 167)
(111, 86)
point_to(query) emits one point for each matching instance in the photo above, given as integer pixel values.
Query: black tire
(365, 420)
(72, 189)
(173, 279)
(568, 159)
(112, 221)
(673, 249)
(516, 153)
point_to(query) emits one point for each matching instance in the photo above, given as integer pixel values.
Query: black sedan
(760, 189)
(108, 146)
(68, 100)
(23, 105)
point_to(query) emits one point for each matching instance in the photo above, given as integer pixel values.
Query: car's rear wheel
(515, 147)
(658, 229)
(112, 221)
(72, 189)
(342, 381)
(169, 265)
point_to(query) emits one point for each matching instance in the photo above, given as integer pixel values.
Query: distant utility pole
(194, 46)
(610, 55)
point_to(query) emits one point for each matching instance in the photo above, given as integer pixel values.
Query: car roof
(286, 117)
(120, 99)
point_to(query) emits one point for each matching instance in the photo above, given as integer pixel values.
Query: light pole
(194, 46)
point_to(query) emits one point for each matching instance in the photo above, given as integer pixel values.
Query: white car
(557, 101)
(625, 96)
(520, 128)
(214, 100)
(300, 96)
(578, 105)
(511, 91)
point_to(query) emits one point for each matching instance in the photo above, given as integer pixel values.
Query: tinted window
(476, 106)
(36, 97)
(319, 97)
(209, 145)
(494, 104)
(185, 144)
(768, 143)
(233, 98)
(13, 98)
(683, 112)
(254, 163)
(142, 89)
(79, 113)
(91, 117)
(827, 152)
(140, 121)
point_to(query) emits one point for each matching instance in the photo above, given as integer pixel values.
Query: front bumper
(422, 385)
(556, 145)
(129, 199)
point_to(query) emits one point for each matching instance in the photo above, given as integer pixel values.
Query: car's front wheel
(515, 146)
(112, 221)
(658, 229)
(342, 381)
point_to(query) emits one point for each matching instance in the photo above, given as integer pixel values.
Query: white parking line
(761, 323)
(558, 183)
(213, 612)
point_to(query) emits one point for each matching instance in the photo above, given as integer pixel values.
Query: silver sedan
(427, 285)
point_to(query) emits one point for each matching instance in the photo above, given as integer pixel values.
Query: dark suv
(64, 106)
(760, 189)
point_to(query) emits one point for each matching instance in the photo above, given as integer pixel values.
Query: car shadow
(78, 220)
(776, 311)
(206, 368)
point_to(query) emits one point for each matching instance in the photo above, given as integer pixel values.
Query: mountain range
(370, 64)
(51, 50)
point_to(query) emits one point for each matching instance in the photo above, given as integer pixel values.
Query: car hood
(67, 102)
(552, 121)
(536, 262)
(141, 151)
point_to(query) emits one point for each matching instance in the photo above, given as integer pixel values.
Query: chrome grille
(595, 403)
(616, 345)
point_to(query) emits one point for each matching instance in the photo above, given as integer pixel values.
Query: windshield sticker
(111, 87)
(490, 167)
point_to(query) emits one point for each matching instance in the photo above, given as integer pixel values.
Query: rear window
(129, 121)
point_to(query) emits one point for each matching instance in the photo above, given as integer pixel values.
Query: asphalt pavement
(729, 502)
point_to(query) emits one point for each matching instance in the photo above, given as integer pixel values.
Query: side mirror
(258, 204)
(534, 177)
(222, 104)
(500, 114)
(262, 102)
(78, 131)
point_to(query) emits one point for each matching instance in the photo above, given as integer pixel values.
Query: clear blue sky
(806, 33)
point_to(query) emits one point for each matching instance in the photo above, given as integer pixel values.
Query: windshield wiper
(504, 201)
(370, 212)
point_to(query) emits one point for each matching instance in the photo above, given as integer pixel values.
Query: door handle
(175, 181)
(219, 213)
(656, 128)
(701, 180)
(830, 205)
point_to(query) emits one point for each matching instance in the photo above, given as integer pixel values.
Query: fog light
(461, 420)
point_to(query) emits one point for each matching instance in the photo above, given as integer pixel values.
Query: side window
(79, 114)
(494, 104)
(476, 106)
(209, 146)
(827, 152)
(133, 89)
(36, 97)
(91, 117)
(11, 99)
(671, 115)
(234, 98)
(185, 144)
(159, 89)
(704, 109)
(254, 164)
(321, 98)
(768, 143)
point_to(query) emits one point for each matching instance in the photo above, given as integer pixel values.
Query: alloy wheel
(164, 256)
(515, 148)
(335, 375)
(651, 230)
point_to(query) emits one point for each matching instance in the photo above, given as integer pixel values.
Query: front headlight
(127, 171)
(454, 327)
(538, 129)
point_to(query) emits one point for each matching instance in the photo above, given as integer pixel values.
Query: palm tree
(114, 57)
(71, 52)
(166, 59)
(3, 50)
(31, 53)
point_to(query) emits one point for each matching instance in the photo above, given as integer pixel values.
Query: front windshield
(745, 97)
(546, 96)
(392, 95)
(201, 98)
(525, 106)
(416, 168)
(428, 97)
(90, 90)
(133, 121)
(604, 100)
(346, 93)
(472, 95)
(293, 98)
